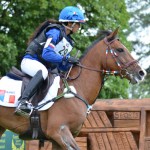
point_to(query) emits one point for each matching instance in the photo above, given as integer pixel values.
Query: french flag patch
(7, 96)
(2, 95)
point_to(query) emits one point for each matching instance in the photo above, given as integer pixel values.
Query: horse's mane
(100, 35)
(41, 27)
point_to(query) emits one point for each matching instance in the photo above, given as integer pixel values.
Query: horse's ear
(113, 34)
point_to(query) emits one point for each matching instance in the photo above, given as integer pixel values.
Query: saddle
(16, 74)
(34, 131)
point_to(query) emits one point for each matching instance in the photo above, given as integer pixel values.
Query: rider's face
(76, 27)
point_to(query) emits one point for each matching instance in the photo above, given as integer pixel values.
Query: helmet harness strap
(70, 28)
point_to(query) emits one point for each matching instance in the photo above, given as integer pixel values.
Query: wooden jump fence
(113, 125)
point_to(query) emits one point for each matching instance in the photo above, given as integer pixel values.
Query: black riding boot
(24, 108)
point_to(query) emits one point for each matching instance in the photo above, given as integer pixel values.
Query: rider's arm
(49, 53)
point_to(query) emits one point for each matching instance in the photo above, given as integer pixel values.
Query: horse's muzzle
(137, 77)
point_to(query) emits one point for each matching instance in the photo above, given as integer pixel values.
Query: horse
(63, 121)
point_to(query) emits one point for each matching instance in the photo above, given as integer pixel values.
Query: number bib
(63, 47)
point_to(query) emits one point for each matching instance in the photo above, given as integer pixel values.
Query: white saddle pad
(10, 91)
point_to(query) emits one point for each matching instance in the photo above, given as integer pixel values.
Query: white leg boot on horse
(24, 108)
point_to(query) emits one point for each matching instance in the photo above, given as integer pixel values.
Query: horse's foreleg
(64, 140)
(2, 130)
(55, 146)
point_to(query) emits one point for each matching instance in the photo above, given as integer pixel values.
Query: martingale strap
(89, 107)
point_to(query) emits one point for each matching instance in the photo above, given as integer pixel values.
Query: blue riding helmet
(71, 14)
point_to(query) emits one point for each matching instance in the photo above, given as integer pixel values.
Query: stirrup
(18, 111)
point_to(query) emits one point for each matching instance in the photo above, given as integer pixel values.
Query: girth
(34, 131)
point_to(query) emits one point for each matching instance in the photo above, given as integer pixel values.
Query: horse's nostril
(141, 73)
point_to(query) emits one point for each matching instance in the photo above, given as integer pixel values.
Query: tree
(139, 25)
(8, 53)
(20, 18)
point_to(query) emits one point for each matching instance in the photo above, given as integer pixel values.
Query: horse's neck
(89, 82)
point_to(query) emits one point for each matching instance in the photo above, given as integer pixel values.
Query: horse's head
(119, 61)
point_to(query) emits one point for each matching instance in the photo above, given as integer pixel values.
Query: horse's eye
(120, 50)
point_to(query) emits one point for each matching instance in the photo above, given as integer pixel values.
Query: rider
(49, 47)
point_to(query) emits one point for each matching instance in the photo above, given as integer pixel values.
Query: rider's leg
(24, 107)
(29, 91)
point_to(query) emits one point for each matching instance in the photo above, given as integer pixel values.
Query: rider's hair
(41, 27)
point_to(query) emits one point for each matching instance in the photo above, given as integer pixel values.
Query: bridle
(123, 72)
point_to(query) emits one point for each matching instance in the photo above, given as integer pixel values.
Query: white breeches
(31, 67)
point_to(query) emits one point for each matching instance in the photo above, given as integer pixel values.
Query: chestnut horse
(63, 121)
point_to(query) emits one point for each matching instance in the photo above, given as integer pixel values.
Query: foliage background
(19, 18)
(139, 11)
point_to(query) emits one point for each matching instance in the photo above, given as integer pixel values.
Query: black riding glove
(72, 60)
